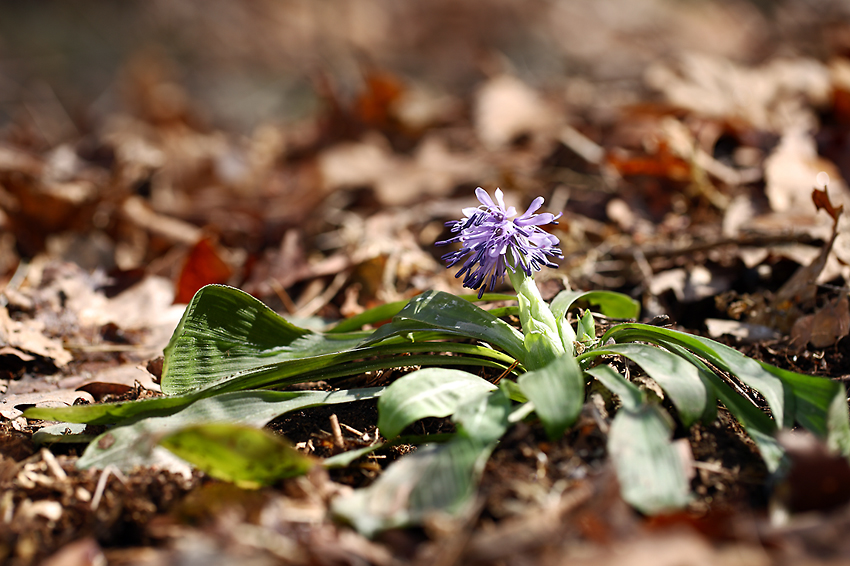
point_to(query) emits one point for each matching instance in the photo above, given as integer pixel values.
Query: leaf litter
(686, 182)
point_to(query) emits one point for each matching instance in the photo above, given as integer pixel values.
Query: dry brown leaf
(766, 97)
(27, 336)
(689, 285)
(434, 171)
(506, 108)
(743, 331)
(823, 328)
(791, 171)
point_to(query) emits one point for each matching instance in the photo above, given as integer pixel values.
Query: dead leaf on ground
(791, 170)
(825, 327)
(506, 109)
(26, 339)
(767, 97)
(203, 266)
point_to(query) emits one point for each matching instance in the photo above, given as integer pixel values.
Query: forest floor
(685, 170)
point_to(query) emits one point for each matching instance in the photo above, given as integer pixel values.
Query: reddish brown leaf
(662, 164)
(99, 389)
(821, 199)
(203, 266)
(374, 106)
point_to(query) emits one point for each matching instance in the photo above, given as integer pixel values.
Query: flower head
(496, 241)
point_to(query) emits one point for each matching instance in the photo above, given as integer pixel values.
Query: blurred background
(310, 152)
(244, 63)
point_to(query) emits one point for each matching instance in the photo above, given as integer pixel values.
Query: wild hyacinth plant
(230, 356)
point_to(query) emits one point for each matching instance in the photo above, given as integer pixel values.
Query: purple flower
(490, 231)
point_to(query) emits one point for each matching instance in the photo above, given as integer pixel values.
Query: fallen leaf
(745, 332)
(203, 266)
(506, 109)
(766, 97)
(791, 170)
(26, 337)
(823, 328)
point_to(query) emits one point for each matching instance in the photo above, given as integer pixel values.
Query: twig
(101, 484)
(324, 298)
(336, 431)
(52, 465)
(17, 279)
(281, 293)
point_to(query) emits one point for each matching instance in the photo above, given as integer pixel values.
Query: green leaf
(247, 456)
(779, 398)
(557, 391)
(615, 305)
(62, 433)
(110, 413)
(631, 397)
(431, 392)
(542, 334)
(586, 329)
(371, 316)
(676, 375)
(136, 442)
(453, 316)
(758, 425)
(649, 468)
(821, 406)
(344, 459)
(484, 417)
(225, 332)
(610, 303)
(434, 479)
(329, 366)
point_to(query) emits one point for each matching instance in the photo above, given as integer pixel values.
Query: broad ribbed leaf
(557, 391)
(649, 468)
(136, 443)
(453, 316)
(248, 456)
(386, 311)
(62, 433)
(677, 376)
(226, 332)
(315, 368)
(431, 392)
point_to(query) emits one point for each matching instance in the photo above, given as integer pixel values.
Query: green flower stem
(539, 327)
